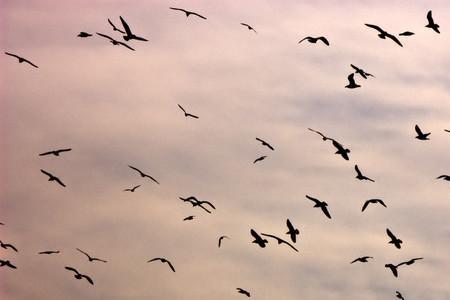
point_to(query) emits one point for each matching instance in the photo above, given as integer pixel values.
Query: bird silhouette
(90, 258)
(188, 13)
(399, 295)
(187, 114)
(189, 218)
(128, 34)
(83, 34)
(114, 27)
(325, 138)
(259, 159)
(322, 204)
(393, 268)
(264, 143)
(384, 34)
(341, 150)
(360, 176)
(248, 27)
(373, 201)
(195, 202)
(407, 33)
(420, 135)
(314, 40)
(351, 82)
(143, 174)
(79, 276)
(7, 263)
(6, 246)
(21, 59)
(361, 72)
(431, 23)
(410, 262)
(258, 239)
(242, 291)
(280, 240)
(446, 130)
(48, 252)
(53, 178)
(444, 177)
(293, 232)
(163, 260)
(394, 240)
(115, 42)
(55, 152)
(362, 259)
(221, 238)
(132, 189)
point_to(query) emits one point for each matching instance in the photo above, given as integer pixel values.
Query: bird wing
(65, 150)
(442, 176)
(196, 14)
(98, 259)
(12, 247)
(289, 225)
(303, 39)
(365, 205)
(170, 265)
(255, 234)
(317, 201)
(390, 234)
(358, 171)
(105, 36)
(13, 55)
(446, 130)
(180, 9)
(29, 62)
(88, 279)
(355, 67)
(135, 187)
(88, 256)
(259, 159)
(280, 240)
(191, 115)
(199, 204)
(326, 212)
(46, 153)
(140, 38)
(71, 269)
(207, 202)
(151, 178)
(125, 26)
(430, 17)
(114, 27)
(381, 202)
(181, 107)
(59, 181)
(324, 40)
(136, 169)
(123, 44)
(375, 27)
(46, 173)
(419, 132)
(395, 39)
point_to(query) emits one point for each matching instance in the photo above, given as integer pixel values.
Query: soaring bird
(341, 150)
(444, 177)
(242, 291)
(384, 34)
(410, 262)
(7, 263)
(406, 33)
(248, 27)
(188, 13)
(393, 268)
(360, 176)
(431, 23)
(195, 202)
(49, 252)
(264, 143)
(351, 82)
(280, 240)
(79, 276)
(55, 152)
(132, 189)
(221, 238)
(420, 135)
(259, 159)
(114, 27)
(21, 59)
(163, 260)
(314, 40)
(394, 240)
(187, 114)
(361, 72)
(399, 295)
(90, 258)
(189, 218)
(114, 42)
(293, 232)
(53, 178)
(362, 259)
(258, 239)
(128, 34)
(325, 138)
(83, 34)
(373, 201)
(6, 246)
(322, 204)
(143, 174)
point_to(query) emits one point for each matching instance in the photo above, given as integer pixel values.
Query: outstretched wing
(326, 212)
(196, 14)
(430, 17)
(390, 234)
(125, 45)
(317, 201)
(71, 269)
(13, 55)
(88, 279)
(375, 27)
(365, 205)
(170, 265)
(358, 171)
(125, 26)
(46, 173)
(395, 39)
(59, 181)
(419, 132)
(324, 40)
(105, 36)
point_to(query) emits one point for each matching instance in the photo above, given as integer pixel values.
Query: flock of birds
(258, 238)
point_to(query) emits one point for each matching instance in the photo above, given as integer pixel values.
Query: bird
(248, 26)
(280, 240)
(264, 143)
(90, 258)
(399, 295)
(393, 268)
(361, 72)
(53, 178)
(114, 27)
(189, 218)
(83, 34)
(384, 34)
(242, 291)
(188, 13)
(325, 138)
(293, 232)
(259, 159)
(314, 40)
(394, 240)
(49, 252)
(187, 114)
(258, 239)
(21, 59)
(446, 130)
(444, 177)
(351, 82)
(372, 201)
(221, 238)
(143, 174)
(7, 263)
(55, 152)
(431, 23)
(6, 246)
(420, 135)
(406, 33)
(362, 259)
(410, 262)
(132, 189)
(115, 42)
(128, 34)
(360, 176)
(322, 204)
(163, 260)
(79, 276)
(341, 150)
(195, 202)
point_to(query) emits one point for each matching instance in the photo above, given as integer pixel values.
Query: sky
(115, 107)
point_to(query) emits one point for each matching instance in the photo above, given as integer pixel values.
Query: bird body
(90, 258)
(406, 33)
(399, 295)
(189, 218)
(341, 150)
(132, 189)
(21, 59)
(7, 263)
(187, 114)
(49, 252)
(248, 27)
(83, 34)
(259, 159)
(264, 143)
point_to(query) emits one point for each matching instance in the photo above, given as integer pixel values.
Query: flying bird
(351, 82)
(394, 240)
(55, 152)
(187, 114)
(341, 150)
(21, 59)
(188, 13)
(83, 34)
(384, 34)
(7, 263)
(195, 202)
(431, 23)
(361, 72)
(114, 27)
(407, 33)
(280, 240)
(128, 34)
(259, 159)
(53, 178)
(314, 40)
(444, 177)
(393, 268)
(399, 295)
(114, 42)
(293, 232)
(90, 258)
(322, 204)
(6, 246)
(132, 189)
(189, 218)
(163, 260)
(410, 262)
(242, 291)
(264, 143)
(248, 27)
(360, 176)
(79, 276)
(420, 135)
(258, 239)
(143, 174)
(49, 252)
(373, 201)
(221, 238)
(321, 134)
(362, 259)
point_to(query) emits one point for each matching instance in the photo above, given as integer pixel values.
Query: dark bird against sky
(90, 258)
(6, 246)
(248, 27)
(21, 59)
(131, 189)
(7, 263)
(259, 159)
(373, 201)
(394, 240)
(242, 291)
(384, 34)
(361, 72)
(53, 178)
(280, 240)
(360, 176)
(48, 252)
(80, 276)
(420, 135)
(341, 150)
(163, 260)
(399, 295)
(406, 33)
(188, 13)
(83, 34)
(258, 239)
(293, 232)
(55, 152)
(114, 42)
(314, 40)
(114, 27)
(221, 238)
(351, 82)
(128, 34)
(431, 23)
(322, 204)
(143, 174)
(187, 114)
(324, 137)
(264, 143)
(362, 259)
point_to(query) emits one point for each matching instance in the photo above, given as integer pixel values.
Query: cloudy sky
(115, 108)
